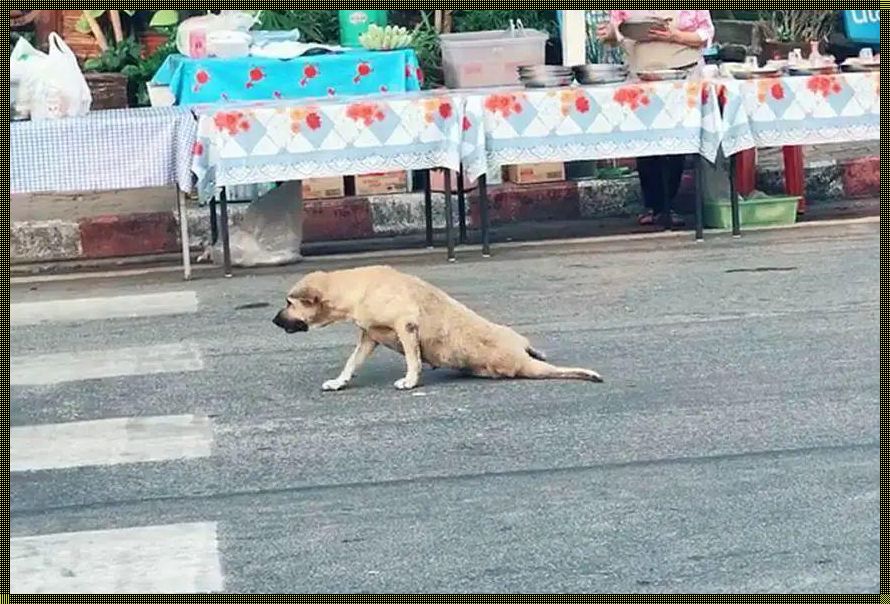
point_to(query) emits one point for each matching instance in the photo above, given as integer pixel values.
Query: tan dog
(416, 320)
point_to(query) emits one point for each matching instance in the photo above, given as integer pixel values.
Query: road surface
(166, 437)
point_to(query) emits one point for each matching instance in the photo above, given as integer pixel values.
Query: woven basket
(110, 90)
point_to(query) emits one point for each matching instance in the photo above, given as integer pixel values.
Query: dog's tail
(536, 354)
(539, 370)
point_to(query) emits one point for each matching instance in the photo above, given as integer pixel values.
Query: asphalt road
(734, 447)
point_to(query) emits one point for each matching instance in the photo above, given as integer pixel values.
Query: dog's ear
(307, 294)
(310, 289)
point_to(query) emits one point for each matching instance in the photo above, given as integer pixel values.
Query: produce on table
(390, 37)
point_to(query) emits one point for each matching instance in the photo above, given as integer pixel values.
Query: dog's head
(306, 306)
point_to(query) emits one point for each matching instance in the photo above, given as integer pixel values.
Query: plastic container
(353, 23)
(228, 44)
(490, 58)
(761, 211)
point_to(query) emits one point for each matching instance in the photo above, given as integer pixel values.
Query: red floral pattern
(363, 70)
(310, 72)
(367, 113)
(632, 97)
(254, 77)
(202, 78)
(824, 85)
(504, 105)
(232, 122)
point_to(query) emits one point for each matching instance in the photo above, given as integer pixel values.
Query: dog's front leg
(366, 346)
(408, 333)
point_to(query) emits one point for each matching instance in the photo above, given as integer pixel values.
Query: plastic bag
(25, 62)
(227, 20)
(271, 231)
(57, 87)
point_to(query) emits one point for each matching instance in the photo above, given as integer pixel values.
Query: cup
(795, 57)
(752, 62)
(867, 55)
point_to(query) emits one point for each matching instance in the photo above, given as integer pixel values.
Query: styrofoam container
(490, 58)
(228, 44)
(160, 96)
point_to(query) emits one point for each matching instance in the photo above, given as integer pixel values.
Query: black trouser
(660, 178)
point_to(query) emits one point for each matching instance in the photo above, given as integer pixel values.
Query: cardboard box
(324, 188)
(530, 174)
(386, 183)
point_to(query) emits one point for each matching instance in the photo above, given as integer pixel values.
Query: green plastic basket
(762, 211)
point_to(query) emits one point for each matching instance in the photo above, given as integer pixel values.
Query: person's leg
(672, 169)
(652, 184)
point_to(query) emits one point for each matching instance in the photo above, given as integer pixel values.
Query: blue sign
(863, 25)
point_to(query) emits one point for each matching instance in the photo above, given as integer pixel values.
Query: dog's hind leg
(365, 348)
(539, 370)
(409, 335)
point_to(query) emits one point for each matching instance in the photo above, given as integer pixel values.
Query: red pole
(746, 172)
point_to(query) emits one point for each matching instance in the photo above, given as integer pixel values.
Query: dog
(417, 320)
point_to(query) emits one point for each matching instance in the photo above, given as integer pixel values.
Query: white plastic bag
(271, 231)
(25, 63)
(58, 86)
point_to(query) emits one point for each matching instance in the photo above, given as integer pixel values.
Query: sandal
(647, 219)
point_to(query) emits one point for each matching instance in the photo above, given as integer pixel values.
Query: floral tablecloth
(519, 126)
(354, 73)
(283, 141)
(792, 111)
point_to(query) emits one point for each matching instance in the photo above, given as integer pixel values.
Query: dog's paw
(333, 385)
(406, 384)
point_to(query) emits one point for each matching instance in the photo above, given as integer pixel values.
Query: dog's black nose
(279, 321)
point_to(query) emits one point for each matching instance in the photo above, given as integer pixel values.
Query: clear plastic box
(490, 58)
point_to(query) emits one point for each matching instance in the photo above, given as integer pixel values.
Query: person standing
(680, 44)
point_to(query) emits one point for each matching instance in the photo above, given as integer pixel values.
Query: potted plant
(157, 32)
(786, 30)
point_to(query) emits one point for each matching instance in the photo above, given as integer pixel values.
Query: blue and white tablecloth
(104, 150)
(353, 73)
(282, 141)
(805, 110)
(518, 126)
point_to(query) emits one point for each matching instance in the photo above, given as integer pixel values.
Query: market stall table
(106, 150)
(519, 126)
(797, 111)
(292, 141)
(353, 73)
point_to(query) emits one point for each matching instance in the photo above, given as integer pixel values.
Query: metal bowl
(545, 71)
(639, 31)
(663, 75)
(548, 82)
(592, 75)
(802, 70)
(859, 66)
(756, 74)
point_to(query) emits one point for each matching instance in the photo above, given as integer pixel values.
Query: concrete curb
(156, 233)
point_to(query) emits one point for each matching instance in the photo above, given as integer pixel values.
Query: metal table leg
(484, 217)
(184, 235)
(224, 229)
(449, 217)
(462, 206)
(214, 222)
(734, 199)
(699, 201)
(428, 206)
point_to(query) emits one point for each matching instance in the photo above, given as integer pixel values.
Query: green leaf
(95, 14)
(165, 18)
(82, 26)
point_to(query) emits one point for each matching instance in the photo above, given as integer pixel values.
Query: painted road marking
(182, 558)
(51, 369)
(95, 309)
(110, 442)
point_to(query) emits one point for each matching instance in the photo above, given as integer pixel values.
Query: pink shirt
(698, 21)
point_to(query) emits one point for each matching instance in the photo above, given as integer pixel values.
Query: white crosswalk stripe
(96, 309)
(181, 558)
(59, 368)
(109, 442)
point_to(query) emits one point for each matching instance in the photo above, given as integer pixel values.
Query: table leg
(699, 201)
(184, 235)
(462, 206)
(449, 217)
(214, 223)
(734, 199)
(224, 229)
(484, 217)
(795, 176)
(667, 219)
(428, 207)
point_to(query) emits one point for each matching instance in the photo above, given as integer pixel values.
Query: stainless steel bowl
(591, 75)
(663, 75)
(548, 82)
(544, 71)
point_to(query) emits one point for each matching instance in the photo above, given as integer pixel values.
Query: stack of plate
(546, 76)
(861, 65)
(591, 75)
